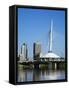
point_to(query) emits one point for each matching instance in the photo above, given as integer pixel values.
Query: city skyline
(34, 25)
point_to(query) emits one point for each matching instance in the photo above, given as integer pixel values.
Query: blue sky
(34, 25)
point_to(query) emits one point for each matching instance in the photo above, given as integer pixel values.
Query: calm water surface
(38, 75)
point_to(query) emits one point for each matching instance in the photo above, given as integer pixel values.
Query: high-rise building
(23, 52)
(36, 50)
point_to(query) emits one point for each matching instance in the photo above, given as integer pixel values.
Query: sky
(34, 25)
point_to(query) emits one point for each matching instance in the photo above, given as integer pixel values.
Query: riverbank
(41, 66)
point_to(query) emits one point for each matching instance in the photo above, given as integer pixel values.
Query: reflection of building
(36, 50)
(23, 52)
(36, 74)
(22, 75)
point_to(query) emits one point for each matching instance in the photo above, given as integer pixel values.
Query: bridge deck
(39, 62)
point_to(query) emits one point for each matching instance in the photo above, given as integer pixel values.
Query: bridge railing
(52, 59)
(42, 60)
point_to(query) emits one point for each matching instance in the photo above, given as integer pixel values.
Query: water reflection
(38, 75)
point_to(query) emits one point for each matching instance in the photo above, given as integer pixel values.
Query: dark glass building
(36, 50)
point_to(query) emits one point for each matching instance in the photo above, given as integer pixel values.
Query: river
(39, 75)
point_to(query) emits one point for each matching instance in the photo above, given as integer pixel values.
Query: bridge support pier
(55, 66)
(36, 66)
(52, 65)
(49, 65)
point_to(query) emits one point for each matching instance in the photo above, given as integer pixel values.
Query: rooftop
(49, 55)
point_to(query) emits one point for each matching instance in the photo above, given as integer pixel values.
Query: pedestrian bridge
(48, 62)
(42, 60)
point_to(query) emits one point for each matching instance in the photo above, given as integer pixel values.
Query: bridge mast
(50, 36)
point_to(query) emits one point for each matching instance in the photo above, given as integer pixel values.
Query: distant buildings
(36, 50)
(23, 56)
(23, 52)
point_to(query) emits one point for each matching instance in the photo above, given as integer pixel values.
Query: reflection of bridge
(49, 62)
